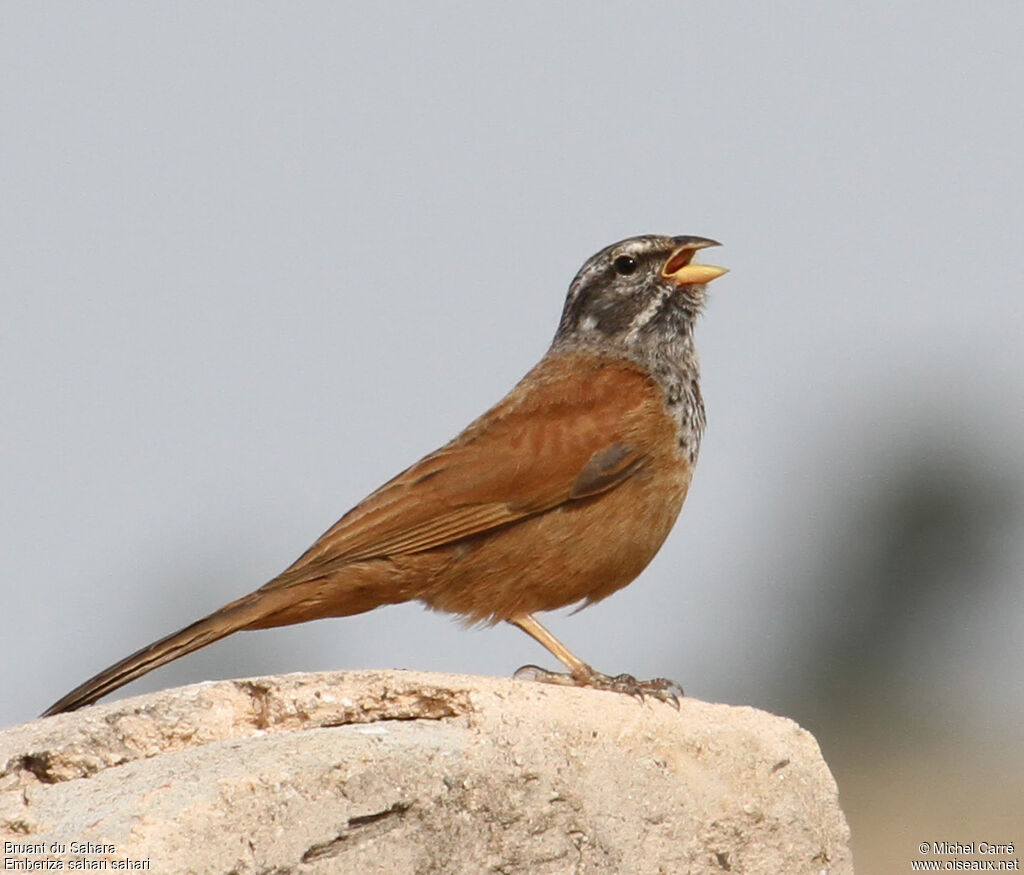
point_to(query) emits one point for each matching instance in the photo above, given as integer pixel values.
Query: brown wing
(564, 433)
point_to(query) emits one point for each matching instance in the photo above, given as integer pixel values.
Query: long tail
(245, 612)
(298, 594)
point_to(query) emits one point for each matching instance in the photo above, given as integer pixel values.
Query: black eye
(624, 265)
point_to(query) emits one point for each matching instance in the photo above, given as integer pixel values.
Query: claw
(539, 675)
(662, 689)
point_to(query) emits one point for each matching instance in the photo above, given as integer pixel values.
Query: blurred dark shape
(906, 578)
(909, 563)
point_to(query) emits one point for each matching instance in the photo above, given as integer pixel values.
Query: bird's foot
(662, 689)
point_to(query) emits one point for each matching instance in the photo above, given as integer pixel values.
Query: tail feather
(298, 595)
(231, 618)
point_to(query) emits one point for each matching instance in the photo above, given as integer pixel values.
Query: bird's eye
(624, 265)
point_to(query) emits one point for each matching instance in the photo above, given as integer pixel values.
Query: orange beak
(680, 267)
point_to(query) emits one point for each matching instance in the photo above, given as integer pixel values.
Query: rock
(410, 772)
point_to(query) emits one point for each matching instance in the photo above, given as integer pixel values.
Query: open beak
(680, 267)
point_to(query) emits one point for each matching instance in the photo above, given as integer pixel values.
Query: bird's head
(636, 291)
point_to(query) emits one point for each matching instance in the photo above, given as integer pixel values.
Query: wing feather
(557, 437)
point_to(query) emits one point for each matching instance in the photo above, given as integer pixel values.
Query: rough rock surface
(409, 772)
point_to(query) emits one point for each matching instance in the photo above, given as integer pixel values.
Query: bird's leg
(579, 672)
(582, 675)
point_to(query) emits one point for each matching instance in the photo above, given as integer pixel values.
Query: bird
(560, 494)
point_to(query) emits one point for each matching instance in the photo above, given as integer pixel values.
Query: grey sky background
(260, 257)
